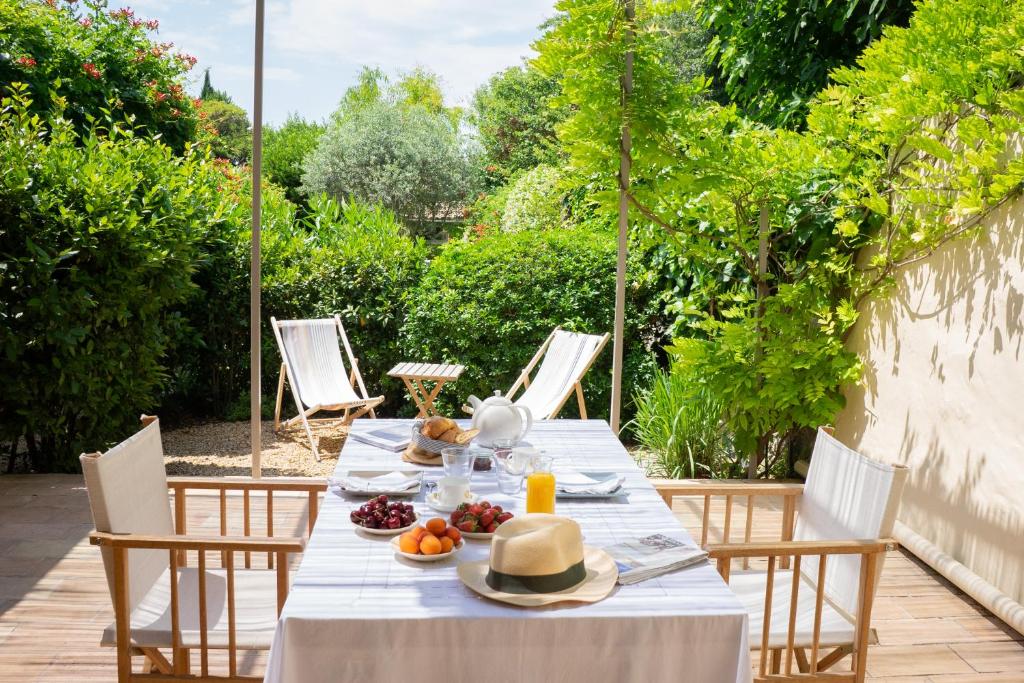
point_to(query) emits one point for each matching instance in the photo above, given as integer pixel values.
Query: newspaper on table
(651, 556)
(392, 438)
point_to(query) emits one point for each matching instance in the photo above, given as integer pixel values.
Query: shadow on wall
(943, 392)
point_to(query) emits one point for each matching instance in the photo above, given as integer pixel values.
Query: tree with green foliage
(230, 132)
(515, 115)
(416, 88)
(402, 152)
(783, 233)
(773, 56)
(95, 66)
(284, 150)
(209, 93)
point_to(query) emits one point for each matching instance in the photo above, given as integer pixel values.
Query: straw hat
(539, 559)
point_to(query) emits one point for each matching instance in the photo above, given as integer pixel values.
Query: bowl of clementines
(435, 540)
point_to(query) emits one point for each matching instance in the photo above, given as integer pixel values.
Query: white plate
(386, 531)
(476, 535)
(434, 504)
(383, 490)
(426, 558)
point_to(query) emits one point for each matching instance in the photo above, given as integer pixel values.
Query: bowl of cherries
(378, 516)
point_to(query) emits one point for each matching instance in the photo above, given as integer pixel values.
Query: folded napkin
(577, 482)
(392, 481)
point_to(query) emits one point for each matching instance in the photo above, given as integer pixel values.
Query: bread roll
(434, 427)
(451, 435)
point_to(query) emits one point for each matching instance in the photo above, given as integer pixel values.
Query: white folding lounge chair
(567, 358)
(312, 364)
(844, 516)
(159, 602)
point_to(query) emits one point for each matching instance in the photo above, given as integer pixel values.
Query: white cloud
(464, 41)
(315, 48)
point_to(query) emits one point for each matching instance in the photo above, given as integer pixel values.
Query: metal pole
(625, 145)
(255, 403)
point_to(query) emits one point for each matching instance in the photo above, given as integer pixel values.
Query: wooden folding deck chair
(567, 358)
(312, 364)
(843, 517)
(162, 605)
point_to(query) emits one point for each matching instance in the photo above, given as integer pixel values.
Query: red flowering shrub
(97, 60)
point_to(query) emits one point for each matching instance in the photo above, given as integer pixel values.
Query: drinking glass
(458, 462)
(509, 473)
(503, 447)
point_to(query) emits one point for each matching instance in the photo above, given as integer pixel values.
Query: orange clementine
(429, 545)
(447, 544)
(453, 534)
(408, 543)
(436, 526)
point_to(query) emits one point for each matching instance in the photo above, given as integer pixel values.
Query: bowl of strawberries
(479, 519)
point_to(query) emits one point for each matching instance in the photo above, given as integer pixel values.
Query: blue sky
(316, 47)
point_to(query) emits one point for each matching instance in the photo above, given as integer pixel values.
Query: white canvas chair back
(567, 359)
(312, 355)
(128, 495)
(847, 496)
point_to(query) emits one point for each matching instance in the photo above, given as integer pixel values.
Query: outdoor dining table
(358, 612)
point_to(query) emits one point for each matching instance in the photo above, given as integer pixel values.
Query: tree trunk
(762, 292)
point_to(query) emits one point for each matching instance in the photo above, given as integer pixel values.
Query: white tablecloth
(358, 613)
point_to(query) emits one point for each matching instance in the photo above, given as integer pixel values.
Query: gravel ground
(217, 449)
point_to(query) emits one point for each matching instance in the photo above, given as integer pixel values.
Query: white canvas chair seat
(314, 368)
(255, 611)
(567, 356)
(837, 628)
(847, 496)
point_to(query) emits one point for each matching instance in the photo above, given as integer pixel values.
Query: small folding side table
(415, 374)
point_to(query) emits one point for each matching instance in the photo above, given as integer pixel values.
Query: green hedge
(98, 238)
(349, 259)
(489, 304)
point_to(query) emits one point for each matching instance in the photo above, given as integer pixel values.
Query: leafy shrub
(284, 150)
(533, 201)
(683, 429)
(516, 115)
(103, 65)
(97, 245)
(230, 134)
(490, 303)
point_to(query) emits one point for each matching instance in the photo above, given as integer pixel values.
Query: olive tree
(410, 159)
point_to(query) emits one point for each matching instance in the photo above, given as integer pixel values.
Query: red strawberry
(475, 509)
(468, 525)
(486, 519)
(497, 509)
(503, 517)
(492, 528)
(457, 515)
(485, 505)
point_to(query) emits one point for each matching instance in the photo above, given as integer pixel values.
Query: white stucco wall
(943, 393)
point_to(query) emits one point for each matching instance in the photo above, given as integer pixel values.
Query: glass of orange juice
(540, 486)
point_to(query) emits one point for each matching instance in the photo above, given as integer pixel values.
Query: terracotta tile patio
(54, 601)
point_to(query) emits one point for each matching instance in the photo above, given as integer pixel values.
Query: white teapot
(498, 418)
